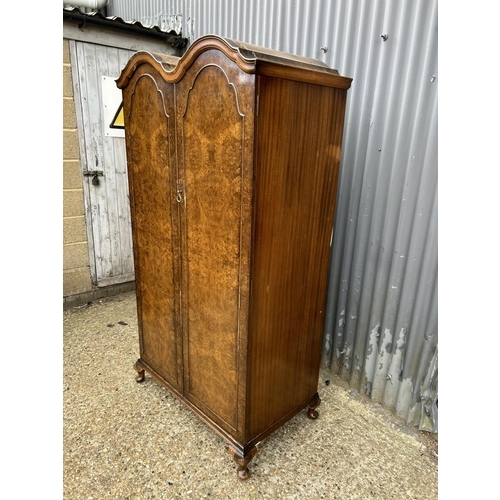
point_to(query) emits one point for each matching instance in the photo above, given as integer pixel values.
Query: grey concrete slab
(124, 440)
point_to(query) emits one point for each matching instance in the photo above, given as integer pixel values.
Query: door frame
(119, 39)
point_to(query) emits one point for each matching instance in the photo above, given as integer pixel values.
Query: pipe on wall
(176, 41)
(91, 4)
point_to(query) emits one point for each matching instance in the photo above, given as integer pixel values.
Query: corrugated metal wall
(381, 329)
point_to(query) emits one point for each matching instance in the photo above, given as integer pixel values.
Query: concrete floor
(124, 440)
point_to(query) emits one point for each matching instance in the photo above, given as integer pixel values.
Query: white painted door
(104, 165)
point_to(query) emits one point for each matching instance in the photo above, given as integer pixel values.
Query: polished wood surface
(212, 120)
(233, 167)
(151, 171)
(250, 59)
(296, 178)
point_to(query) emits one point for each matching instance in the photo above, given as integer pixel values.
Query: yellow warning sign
(118, 120)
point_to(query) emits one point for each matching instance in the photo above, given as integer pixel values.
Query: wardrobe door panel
(148, 101)
(212, 137)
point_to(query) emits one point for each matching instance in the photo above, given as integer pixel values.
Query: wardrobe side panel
(299, 137)
(150, 138)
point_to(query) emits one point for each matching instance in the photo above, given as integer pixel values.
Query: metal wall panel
(381, 327)
(148, 13)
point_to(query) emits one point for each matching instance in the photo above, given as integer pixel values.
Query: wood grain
(296, 175)
(213, 135)
(233, 166)
(150, 148)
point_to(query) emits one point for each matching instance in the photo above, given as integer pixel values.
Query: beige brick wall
(76, 271)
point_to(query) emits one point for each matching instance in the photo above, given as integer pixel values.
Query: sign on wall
(111, 103)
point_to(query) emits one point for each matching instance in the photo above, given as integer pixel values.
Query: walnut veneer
(233, 157)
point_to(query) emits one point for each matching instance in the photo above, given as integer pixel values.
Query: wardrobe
(233, 158)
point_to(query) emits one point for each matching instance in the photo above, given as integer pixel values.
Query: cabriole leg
(242, 472)
(140, 370)
(311, 411)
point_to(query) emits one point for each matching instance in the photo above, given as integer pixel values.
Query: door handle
(180, 191)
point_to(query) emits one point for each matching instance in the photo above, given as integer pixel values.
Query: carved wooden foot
(242, 472)
(311, 411)
(140, 370)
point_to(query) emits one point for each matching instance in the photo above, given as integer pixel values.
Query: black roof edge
(95, 18)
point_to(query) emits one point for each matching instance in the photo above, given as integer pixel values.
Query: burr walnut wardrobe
(233, 155)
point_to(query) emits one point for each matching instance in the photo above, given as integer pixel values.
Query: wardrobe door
(213, 150)
(150, 137)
